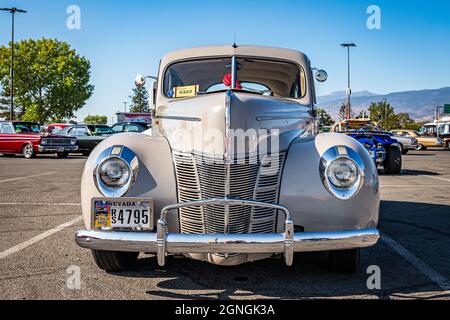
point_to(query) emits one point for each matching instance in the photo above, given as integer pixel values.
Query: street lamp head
(13, 10)
(346, 45)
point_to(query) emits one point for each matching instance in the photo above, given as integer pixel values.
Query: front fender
(156, 178)
(310, 203)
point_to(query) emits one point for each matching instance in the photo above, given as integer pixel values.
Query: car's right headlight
(116, 171)
(342, 172)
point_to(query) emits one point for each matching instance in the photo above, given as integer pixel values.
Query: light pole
(349, 88)
(13, 13)
(125, 104)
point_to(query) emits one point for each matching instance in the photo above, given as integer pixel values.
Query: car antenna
(234, 44)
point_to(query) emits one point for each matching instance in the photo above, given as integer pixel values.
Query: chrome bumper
(163, 243)
(52, 149)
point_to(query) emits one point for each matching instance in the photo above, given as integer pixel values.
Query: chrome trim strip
(181, 118)
(233, 72)
(227, 157)
(265, 118)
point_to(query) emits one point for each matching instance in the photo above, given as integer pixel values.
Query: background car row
(29, 139)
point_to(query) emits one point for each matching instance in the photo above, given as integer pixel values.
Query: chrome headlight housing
(116, 171)
(342, 172)
(73, 142)
(44, 141)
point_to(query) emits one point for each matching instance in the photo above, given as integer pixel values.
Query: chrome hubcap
(29, 150)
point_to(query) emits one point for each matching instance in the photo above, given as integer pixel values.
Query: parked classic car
(88, 136)
(438, 129)
(25, 138)
(424, 141)
(233, 170)
(385, 151)
(407, 143)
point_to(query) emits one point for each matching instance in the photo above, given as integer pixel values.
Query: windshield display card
(186, 91)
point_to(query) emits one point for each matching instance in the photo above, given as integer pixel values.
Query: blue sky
(124, 38)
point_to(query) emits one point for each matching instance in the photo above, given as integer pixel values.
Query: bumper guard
(163, 243)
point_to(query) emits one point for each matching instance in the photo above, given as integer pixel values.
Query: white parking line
(23, 178)
(40, 204)
(437, 178)
(38, 238)
(419, 264)
(414, 185)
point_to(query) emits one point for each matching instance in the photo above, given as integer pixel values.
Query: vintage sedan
(88, 136)
(424, 141)
(233, 170)
(25, 138)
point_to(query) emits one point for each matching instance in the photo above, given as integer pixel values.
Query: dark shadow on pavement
(416, 173)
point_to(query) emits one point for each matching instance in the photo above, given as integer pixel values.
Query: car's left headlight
(73, 141)
(44, 142)
(116, 171)
(342, 172)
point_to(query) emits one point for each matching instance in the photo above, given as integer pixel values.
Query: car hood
(380, 137)
(232, 123)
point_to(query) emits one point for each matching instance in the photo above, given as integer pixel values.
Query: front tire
(345, 261)
(112, 261)
(421, 147)
(393, 162)
(28, 151)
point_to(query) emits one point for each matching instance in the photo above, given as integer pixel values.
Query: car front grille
(58, 141)
(200, 177)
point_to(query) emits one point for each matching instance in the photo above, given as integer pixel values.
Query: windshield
(102, 130)
(27, 128)
(259, 76)
(360, 127)
(64, 130)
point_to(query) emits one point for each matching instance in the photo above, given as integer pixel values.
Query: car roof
(231, 50)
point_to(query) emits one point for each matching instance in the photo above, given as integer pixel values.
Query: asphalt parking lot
(40, 212)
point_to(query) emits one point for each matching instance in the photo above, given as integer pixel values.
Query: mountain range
(420, 104)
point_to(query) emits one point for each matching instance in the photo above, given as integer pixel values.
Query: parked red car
(25, 138)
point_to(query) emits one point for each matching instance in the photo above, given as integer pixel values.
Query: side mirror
(139, 81)
(321, 76)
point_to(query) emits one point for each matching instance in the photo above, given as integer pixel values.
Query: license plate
(61, 150)
(123, 214)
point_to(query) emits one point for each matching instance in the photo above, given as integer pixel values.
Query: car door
(7, 136)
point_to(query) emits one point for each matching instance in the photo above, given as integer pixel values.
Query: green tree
(324, 118)
(139, 100)
(51, 80)
(383, 113)
(4, 108)
(96, 120)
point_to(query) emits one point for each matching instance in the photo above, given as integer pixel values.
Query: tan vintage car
(424, 141)
(233, 170)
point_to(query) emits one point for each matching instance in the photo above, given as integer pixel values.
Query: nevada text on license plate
(123, 213)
